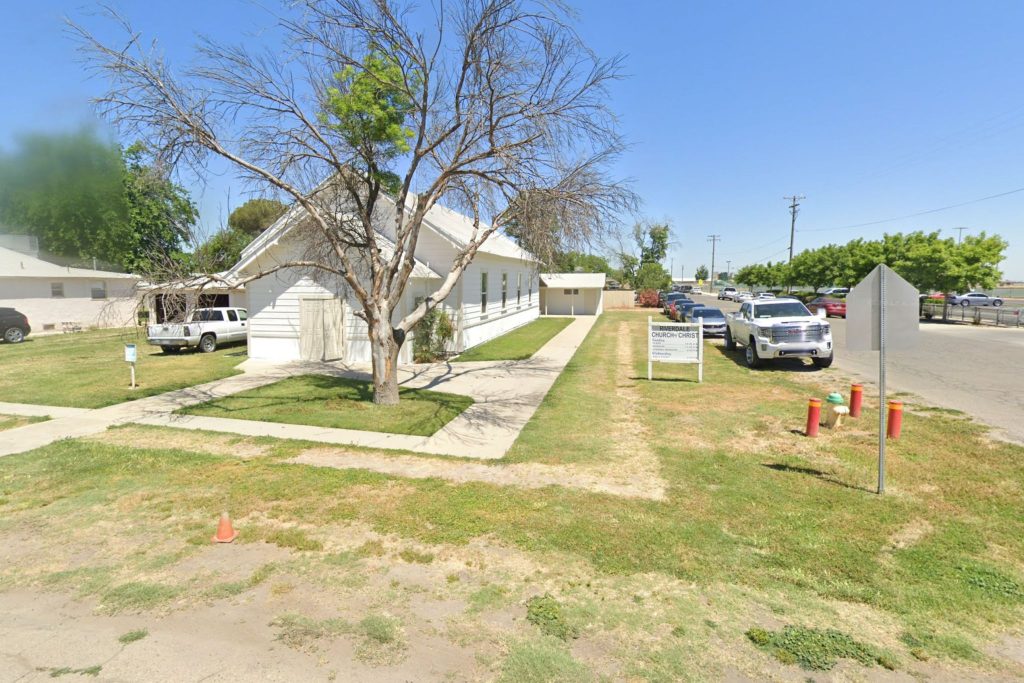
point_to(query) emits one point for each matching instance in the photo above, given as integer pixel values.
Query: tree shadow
(816, 473)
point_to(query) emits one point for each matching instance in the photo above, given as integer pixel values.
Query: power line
(919, 213)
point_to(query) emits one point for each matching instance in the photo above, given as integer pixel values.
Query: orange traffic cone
(225, 532)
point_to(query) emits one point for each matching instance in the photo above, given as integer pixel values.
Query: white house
(51, 295)
(572, 293)
(306, 314)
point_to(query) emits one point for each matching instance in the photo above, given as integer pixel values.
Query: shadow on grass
(816, 473)
(775, 365)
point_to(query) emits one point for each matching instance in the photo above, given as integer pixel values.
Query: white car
(765, 295)
(205, 329)
(696, 290)
(836, 291)
(975, 299)
(743, 296)
(779, 329)
(727, 293)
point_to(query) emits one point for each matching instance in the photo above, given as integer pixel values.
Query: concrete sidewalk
(506, 395)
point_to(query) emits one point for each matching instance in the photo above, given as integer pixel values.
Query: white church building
(308, 314)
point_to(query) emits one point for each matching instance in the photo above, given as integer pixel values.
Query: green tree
(701, 273)
(652, 276)
(221, 251)
(67, 189)
(256, 215)
(368, 107)
(160, 218)
(84, 197)
(630, 265)
(574, 261)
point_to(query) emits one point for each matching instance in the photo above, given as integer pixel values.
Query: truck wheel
(169, 349)
(730, 343)
(753, 360)
(822, 362)
(208, 343)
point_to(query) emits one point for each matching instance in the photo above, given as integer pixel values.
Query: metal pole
(650, 365)
(881, 381)
(700, 350)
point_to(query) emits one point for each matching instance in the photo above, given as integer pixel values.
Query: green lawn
(324, 401)
(14, 421)
(763, 528)
(519, 344)
(87, 369)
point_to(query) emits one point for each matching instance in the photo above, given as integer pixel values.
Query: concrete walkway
(506, 394)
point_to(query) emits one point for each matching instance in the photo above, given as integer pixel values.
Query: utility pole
(794, 209)
(960, 234)
(714, 239)
(728, 269)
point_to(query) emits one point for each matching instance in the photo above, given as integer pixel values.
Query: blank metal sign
(863, 312)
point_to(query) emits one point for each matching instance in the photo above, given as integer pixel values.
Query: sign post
(882, 313)
(675, 343)
(131, 355)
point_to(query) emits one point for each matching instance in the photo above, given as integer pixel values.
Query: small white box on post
(131, 355)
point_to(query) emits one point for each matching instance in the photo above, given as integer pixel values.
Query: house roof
(573, 280)
(16, 264)
(451, 225)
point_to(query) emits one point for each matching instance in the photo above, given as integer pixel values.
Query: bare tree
(363, 110)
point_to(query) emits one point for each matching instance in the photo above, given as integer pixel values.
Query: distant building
(51, 295)
(572, 293)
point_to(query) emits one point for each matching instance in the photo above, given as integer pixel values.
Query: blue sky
(872, 110)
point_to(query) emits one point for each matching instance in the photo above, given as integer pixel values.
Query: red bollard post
(856, 399)
(895, 422)
(813, 416)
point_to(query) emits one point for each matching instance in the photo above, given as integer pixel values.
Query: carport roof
(573, 280)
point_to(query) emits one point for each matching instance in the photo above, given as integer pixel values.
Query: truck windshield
(786, 309)
(204, 315)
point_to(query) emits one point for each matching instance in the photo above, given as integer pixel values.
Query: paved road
(979, 370)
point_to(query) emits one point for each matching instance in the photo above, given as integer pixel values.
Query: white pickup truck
(779, 328)
(204, 329)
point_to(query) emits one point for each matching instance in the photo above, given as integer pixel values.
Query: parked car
(671, 299)
(712, 319)
(673, 308)
(836, 307)
(726, 293)
(205, 329)
(696, 290)
(765, 295)
(743, 296)
(682, 308)
(836, 291)
(779, 329)
(975, 299)
(14, 326)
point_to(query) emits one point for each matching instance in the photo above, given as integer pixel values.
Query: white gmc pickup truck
(779, 328)
(205, 329)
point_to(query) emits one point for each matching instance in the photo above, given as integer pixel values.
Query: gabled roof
(16, 264)
(450, 225)
(573, 280)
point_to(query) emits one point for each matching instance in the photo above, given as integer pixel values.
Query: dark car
(836, 307)
(14, 326)
(683, 309)
(712, 319)
(671, 299)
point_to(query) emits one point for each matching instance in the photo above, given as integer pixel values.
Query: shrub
(647, 298)
(544, 612)
(816, 649)
(432, 335)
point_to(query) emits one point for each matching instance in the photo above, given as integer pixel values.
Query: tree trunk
(384, 348)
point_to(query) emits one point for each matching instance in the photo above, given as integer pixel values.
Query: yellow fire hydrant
(832, 416)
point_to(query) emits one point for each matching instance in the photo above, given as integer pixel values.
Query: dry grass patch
(212, 443)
